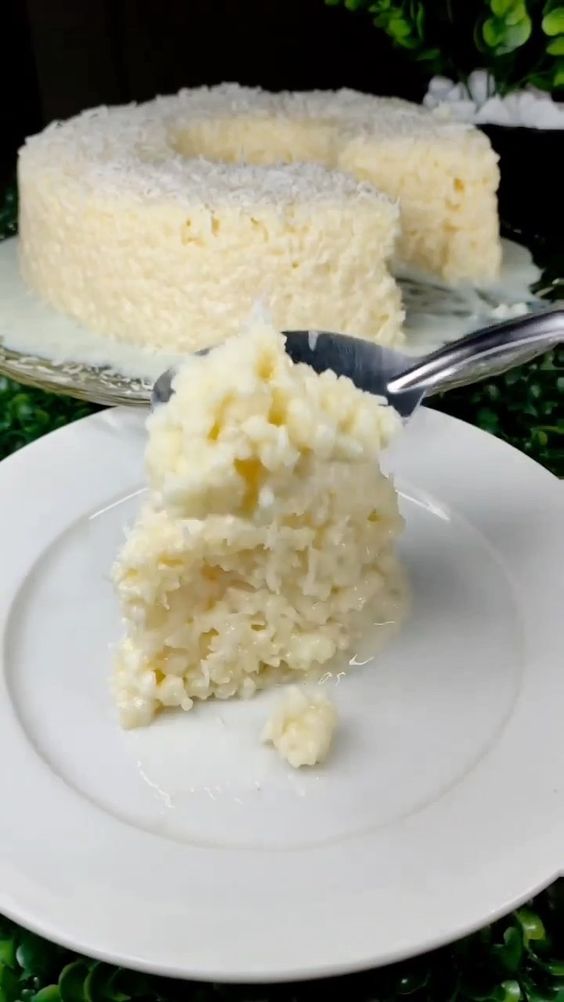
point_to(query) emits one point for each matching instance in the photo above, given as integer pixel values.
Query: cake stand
(43, 348)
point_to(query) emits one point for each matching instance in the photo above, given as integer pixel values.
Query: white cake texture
(302, 726)
(161, 223)
(268, 535)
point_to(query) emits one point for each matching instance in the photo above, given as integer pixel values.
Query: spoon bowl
(395, 376)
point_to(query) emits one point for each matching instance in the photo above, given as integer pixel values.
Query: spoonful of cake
(404, 381)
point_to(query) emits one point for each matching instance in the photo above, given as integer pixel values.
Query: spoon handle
(484, 353)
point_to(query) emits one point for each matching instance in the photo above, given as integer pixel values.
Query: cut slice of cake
(269, 532)
(161, 223)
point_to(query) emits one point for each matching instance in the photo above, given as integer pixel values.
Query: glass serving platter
(43, 348)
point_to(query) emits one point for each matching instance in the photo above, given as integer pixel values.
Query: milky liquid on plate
(371, 635)
(435, 314)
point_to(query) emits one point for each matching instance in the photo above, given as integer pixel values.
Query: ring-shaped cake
(161, 224)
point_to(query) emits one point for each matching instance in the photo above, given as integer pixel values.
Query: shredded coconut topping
(133, 150)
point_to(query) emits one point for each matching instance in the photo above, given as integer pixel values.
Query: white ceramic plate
(42, 347)
(188, 848)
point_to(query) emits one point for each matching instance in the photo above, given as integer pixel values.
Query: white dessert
(302, 726)
(268, 535)
(157, 248)
(161, 223)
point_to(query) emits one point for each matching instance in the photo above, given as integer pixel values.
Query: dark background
(60, 56)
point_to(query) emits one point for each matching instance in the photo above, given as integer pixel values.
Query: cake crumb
(302, 727)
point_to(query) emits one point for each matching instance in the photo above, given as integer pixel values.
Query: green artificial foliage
(519, 41)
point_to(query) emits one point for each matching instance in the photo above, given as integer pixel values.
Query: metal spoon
(403, 382)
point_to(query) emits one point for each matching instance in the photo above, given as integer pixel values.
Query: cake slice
(301, 727)
(268, 535)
